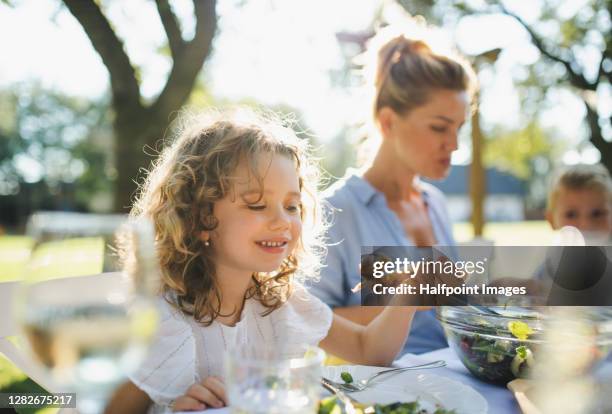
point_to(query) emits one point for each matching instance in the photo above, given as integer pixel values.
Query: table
(499, 398)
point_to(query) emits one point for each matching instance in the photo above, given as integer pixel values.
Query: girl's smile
(273, 245)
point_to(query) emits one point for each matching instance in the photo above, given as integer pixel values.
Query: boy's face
(586, 209)
(253, 234)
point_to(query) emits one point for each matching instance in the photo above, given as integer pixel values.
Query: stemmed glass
(86, 304)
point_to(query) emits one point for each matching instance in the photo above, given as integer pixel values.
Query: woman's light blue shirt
(361, 217)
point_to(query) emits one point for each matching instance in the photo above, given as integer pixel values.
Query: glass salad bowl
(499, 344)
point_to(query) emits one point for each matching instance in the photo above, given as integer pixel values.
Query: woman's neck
(393, 180)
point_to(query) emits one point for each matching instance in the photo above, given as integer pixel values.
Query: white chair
(9, 327)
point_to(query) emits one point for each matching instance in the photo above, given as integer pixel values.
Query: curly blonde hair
(193, 173)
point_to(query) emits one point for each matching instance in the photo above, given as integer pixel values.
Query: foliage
(515, 151)
(574, 40)
(50, 144)
(576, 49)
(12, 380)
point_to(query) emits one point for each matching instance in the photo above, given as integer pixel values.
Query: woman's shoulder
(345, 202)
(336, 196)
(342, 192)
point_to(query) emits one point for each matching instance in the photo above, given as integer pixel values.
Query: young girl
(234, 204)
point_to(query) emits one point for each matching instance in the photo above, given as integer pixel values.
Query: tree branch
(592, 118)
(123, 81)
(576, 79)
(607, 54)
(189, 61)
(171, 26)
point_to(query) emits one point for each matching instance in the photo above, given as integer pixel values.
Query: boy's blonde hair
(191, 175)
(580, 177)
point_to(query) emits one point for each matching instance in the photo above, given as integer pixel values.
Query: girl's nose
(280, 219)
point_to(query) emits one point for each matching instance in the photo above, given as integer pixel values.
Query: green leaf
(346, 377)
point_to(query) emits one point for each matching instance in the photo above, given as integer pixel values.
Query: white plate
(429, 389)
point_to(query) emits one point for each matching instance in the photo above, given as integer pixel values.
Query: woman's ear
(385, 118)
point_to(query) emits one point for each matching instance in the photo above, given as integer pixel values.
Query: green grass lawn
(14, 251)
(521, 233)
(76, 257)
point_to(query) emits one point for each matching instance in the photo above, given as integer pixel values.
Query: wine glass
(85, 306)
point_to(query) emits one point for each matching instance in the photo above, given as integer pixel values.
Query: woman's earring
(206, 243)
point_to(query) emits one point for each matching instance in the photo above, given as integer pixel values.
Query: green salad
(493, 359)
(331, 405)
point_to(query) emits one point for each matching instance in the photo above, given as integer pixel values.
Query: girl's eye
(294, 208)
(256, 207)
(436, 128)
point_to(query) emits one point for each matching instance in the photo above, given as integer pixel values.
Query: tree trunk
(606, 155)
(596, 138)
(477, 176)
(137, 140)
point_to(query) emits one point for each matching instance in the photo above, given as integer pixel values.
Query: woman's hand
(413, 215)
(210, 393)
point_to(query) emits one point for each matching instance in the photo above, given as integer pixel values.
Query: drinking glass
(86, 305)
(268, 381)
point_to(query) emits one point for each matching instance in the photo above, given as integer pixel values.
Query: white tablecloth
(499, 398)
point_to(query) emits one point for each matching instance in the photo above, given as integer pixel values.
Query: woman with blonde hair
(421, 100)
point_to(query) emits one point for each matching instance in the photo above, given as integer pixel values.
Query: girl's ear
(205, 237)
(385, 118)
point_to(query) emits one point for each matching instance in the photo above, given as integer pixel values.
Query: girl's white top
(185, 352)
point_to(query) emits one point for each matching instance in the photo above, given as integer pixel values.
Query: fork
(346, 400)
(365, 383)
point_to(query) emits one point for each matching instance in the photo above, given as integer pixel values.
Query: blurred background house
(505, 200)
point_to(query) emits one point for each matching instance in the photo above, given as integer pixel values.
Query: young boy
(581, 196)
